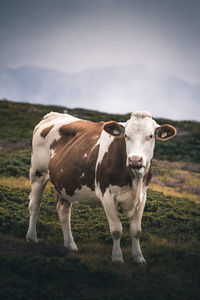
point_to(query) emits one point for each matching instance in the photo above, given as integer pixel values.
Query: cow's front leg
(64, 212)
(114, 224)
(135, 231)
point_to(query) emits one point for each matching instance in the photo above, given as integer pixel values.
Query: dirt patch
(10, 146)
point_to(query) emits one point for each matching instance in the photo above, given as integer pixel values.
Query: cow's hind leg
(38, 182)
(64, 212)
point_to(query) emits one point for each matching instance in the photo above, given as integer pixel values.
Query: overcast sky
(71, 35)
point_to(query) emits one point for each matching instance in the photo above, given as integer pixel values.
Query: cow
(105, 162)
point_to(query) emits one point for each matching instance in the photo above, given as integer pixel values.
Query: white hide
(140, 139)
(104, 143)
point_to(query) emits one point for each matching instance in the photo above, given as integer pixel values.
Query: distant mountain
(111, 89)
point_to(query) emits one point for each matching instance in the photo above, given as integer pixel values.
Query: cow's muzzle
(135, 162)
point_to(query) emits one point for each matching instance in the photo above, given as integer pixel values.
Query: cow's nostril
(135, 161)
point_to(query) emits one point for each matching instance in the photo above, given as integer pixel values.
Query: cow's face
(140, 132)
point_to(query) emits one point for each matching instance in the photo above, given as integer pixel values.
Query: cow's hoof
(31, 238)
(139, 260)
(71, 247)
(117, 259)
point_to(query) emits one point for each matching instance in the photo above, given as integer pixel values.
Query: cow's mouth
(136, 167)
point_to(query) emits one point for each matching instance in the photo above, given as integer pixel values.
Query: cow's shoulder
(112, 169)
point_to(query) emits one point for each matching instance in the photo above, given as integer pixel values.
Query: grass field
(170, 243)
(170, 239)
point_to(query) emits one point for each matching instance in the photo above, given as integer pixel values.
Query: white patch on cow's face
(140, 140)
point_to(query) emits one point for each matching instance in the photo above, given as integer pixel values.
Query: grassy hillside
(170, 243)
(19, 119)
(171, 224)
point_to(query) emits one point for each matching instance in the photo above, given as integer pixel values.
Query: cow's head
(140, 132)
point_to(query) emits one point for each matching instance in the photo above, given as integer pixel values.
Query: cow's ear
(165, 132)
(114, 128)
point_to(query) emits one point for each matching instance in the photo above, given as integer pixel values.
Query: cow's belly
(122, 196)
(84, 196)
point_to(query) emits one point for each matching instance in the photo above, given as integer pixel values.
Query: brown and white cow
(86, 161)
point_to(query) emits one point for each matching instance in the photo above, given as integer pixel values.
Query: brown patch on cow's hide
(73, 164)
(38, 174)
(113, 170)
(46, 131)
(148, 176)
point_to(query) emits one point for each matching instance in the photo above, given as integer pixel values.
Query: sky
(73, 36)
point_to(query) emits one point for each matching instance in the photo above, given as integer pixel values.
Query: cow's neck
(138, 189)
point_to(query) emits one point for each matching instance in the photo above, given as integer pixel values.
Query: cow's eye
(150, 137)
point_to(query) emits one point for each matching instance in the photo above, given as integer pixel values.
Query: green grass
(15, 164)
(171, 224)
(45, 271)
(164, 216)
(170, 243)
